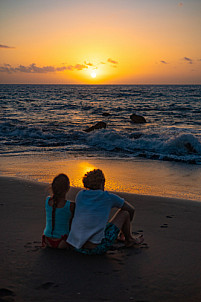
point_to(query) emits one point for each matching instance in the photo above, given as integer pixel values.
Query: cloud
(88, 64)
(112, 61)
(180, 4)
(7, 68)
(80, 66)
(5, 46)
(164, 62)
(33, 68)
(62, 68)
(189, 60)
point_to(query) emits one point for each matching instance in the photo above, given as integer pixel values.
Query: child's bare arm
(72, 209)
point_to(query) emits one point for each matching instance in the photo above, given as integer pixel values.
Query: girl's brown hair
(60, 187)
(93, 179)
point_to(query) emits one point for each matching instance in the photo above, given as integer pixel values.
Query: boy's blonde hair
(94, 179)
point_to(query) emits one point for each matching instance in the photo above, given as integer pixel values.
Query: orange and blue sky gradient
(100, 41)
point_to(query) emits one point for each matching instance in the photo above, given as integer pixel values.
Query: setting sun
(93, 74)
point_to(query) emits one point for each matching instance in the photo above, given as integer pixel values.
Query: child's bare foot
(121, 237)
(139, 239)
(134, 241)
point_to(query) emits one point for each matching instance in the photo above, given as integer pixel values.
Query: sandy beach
(166, 268)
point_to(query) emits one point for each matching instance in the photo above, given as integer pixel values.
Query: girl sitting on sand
(59, 214)
(90, 231)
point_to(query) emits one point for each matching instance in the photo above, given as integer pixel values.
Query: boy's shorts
(111, 234)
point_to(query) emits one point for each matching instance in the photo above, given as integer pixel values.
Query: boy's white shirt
(91, 216)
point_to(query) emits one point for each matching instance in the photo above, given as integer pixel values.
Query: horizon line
(93, 84)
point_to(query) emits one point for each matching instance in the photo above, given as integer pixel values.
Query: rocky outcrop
(138, 119)
(99, 125)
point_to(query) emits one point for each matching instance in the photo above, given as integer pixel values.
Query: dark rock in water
(105, 114)
(192, 161)
(135, 135)
(138, 119)
(190, 148)
(154, 156)
(99, 125)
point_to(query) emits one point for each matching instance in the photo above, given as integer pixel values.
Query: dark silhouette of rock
(99, 125)
(138, 119)
(105, 114)
(190, 148)
(135, 135)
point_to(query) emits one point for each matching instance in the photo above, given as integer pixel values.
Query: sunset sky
(100, 41)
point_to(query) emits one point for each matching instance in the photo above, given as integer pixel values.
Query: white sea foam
(184, 147)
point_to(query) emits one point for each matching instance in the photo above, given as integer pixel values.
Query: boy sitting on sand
(90, 231)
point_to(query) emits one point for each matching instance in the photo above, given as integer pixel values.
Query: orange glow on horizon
(124, 42)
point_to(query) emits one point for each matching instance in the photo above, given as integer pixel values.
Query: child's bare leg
(122, 220)
(63, 245)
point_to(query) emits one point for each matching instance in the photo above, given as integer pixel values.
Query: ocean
(52, 119)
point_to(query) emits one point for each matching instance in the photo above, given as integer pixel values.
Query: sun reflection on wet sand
(140, 177)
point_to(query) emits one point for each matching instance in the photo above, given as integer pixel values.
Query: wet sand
(144, 177)
(166, 268)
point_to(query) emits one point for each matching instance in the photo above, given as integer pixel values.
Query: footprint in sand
(4, 292)
(32, 247)
(47, 285)
(170, 216)
(165, 225)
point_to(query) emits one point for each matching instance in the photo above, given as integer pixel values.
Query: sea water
(51, 119)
